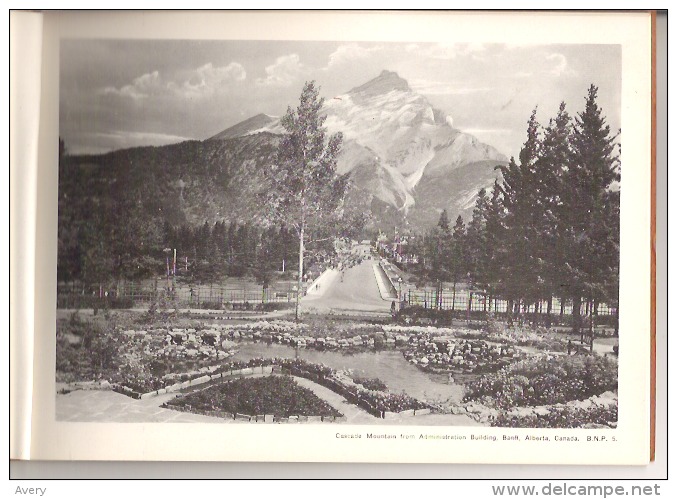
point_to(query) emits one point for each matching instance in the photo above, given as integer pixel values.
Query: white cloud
(561, 67)
(523, 74)
(427, 87)
(205, 80)
(140, 88)
(148, 138)
(350, 53)
(487, 131)
(283, 72)
(556, 65)
(208, 79)
(447, 51)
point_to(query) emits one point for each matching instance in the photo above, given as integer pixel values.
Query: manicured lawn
(278, 395)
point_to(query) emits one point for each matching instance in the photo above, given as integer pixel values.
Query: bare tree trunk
(469, 305)
(593, 313)
(548, 319)
(576, 312)
(300, 276)
(453, 297)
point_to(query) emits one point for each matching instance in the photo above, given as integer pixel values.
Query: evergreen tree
(439, 247)
(457, 257)
(443, 222)
(551, 168)
(264, 264)
(495, 254)
(518, 192)
(476, 241)
(231, 244)
(590, 214)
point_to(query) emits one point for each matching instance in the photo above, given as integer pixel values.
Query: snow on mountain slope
(395, 141)
(255, 124)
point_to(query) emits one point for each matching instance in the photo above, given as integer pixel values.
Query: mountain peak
(386, 82)
(246, 127)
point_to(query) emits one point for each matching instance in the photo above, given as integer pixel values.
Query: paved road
(357, 290)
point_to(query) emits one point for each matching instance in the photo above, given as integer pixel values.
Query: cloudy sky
(116, 94)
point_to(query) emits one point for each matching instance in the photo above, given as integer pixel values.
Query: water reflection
(387, 365)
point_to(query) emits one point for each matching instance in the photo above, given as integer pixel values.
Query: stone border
(248, 371)
(260, 418)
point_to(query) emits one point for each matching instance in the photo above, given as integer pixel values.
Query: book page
(426, 80)
(26, 43)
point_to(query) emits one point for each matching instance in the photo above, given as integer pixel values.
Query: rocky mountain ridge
(406, 160)
(399, 149)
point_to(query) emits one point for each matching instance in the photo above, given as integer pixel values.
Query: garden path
(109, 406)
(112, 407)
(354, 414)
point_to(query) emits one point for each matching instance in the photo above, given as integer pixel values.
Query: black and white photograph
(385, 233)
(337, 237)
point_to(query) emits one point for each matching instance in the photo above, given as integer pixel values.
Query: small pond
(387, 365)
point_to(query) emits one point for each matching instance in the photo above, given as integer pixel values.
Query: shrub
(525, 335)
(97, 354)
(121, 302)
(271, 306)
(561, 417)
(544, 381)
(371, 383)
(416, 314)
(210, 305)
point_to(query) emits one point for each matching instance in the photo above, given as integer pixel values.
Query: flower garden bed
(280, 396)
(545, 380)
(373, 384)
(561, 416)
(541, 338)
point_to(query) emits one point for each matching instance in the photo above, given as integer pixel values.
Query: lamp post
(399, 292)
(167, 251)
